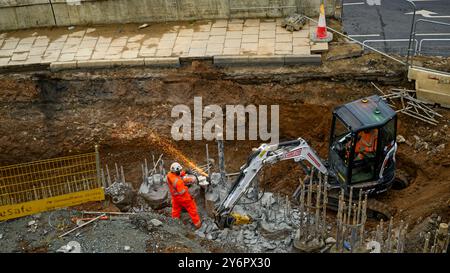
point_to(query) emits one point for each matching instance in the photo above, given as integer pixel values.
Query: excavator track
(378, 210)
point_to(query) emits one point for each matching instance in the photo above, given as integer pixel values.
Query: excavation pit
(127, 112)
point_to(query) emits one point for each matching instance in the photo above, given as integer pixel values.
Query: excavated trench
(128, 113)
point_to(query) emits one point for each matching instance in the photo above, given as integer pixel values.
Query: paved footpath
(264, 37)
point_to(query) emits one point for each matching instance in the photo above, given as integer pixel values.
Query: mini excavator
(346, 168)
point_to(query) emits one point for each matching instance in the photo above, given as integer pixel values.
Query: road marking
(422, 0)
(364, 35)
(373, 2)
(350, 4)
(428, 14)
(432, 34)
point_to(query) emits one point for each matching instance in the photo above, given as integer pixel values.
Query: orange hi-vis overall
(367, 144)
(181, 197)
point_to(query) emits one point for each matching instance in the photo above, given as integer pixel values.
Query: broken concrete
(156, 222)
(122, 195)
(71, 247)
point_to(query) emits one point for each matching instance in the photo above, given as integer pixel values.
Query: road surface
(386, 25)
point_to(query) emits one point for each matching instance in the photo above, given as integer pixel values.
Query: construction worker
(367, 143)
(180, 194)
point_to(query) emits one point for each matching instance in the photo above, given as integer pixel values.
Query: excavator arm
(298, 150)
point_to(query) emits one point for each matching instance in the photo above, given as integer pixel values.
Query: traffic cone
(321, 34)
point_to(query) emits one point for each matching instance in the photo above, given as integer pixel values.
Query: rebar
(286, 208)
(350, 201)
(103, 178)
(108, 175)
(343, 238)
(399, 237)
(162, 171)
(308, 206)
(302, 205)
(352, 238)
(318, 190)
(324, 209)
(381, 233)
(358, 214)
(207, 160)
(339, 219)
(389, 232)
(363, 218)
(426, 243)
(122, 174)
(117, 172)
(153, 160)
(143, 173)
(433, 247)
(442, 234)
(221, 154)
(146, 167)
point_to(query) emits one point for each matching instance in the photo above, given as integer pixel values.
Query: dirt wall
(127, 112)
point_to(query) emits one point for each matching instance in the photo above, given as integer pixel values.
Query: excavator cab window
(340, 147)
(365, 155)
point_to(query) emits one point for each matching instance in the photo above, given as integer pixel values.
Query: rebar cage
(42, 185)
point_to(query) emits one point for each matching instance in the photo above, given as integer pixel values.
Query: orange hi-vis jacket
(177, 187)
(367, 143)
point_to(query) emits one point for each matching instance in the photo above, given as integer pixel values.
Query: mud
(127, 112)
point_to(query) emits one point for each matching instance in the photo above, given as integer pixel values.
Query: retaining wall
(15, 14)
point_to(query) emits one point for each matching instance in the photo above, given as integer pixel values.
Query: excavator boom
(298, 150)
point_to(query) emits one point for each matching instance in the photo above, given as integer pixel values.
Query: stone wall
(42, 13)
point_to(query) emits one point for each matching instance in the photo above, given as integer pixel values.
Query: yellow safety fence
(32, 187)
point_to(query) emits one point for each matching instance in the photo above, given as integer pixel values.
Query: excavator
(372, 174)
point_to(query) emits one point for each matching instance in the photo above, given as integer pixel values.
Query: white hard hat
(175, 167)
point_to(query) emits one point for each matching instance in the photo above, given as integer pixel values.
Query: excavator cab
(363, 145)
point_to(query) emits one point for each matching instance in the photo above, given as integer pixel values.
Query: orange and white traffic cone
(321, 34)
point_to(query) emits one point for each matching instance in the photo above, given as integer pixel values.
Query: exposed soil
(127, 112)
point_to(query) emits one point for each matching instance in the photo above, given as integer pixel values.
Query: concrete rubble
(122, 195)
(156, 222)
(71, 247)
(276, 224)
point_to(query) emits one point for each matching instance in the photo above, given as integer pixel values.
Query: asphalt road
(378, 22)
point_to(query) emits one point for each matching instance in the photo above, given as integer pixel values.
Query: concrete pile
(312, 227)
(121, 192)
(352, 237)
(155, 191)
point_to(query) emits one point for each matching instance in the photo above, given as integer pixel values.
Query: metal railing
(357, 42)
(392, 48)
(419, 50)
(46, 180)
(414, 32)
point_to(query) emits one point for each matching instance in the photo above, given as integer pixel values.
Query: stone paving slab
(95, 46)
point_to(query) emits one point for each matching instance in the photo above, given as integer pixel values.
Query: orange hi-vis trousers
(189, 205)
